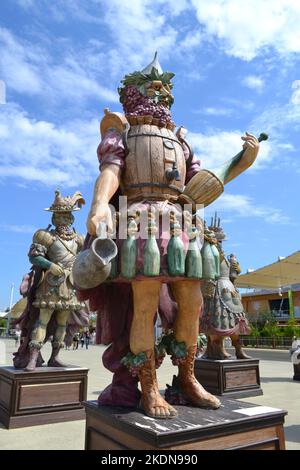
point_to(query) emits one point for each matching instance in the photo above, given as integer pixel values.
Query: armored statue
(52, 306)
(158, 266)
(223, 311)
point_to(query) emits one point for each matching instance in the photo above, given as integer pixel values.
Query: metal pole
(10, 307)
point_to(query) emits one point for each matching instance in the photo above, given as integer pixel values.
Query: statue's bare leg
(58, 338)
(38, 337)
(145, 299)
(189, 299)
(39, 332)
(236, 343)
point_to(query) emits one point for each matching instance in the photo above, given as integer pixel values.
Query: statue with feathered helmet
(52, 308)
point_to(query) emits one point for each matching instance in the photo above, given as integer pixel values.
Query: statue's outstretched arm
(243, 160)
(106, 185)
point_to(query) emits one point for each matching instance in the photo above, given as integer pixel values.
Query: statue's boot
(215, 349)
(152, 402)
(194, 392)
(239, 352)
(54, 361)
(33, 357)
(223, 352)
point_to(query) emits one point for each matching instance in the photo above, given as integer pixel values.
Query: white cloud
(17, 228)
(40, 151)
(216, 148)
(139, 23)
(276, 119)
(2, 92)
(215, 111)
(191, 40)
(26, 3)
(295, 98)
(140, 27)
(20, 65)
(253, 81)
(239, 104)
(30, 69)
(245, 29)
(243, 206)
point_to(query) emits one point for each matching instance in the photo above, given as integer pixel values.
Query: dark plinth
(116, 428)
(235, 378)
(296, 372)
(47, 395)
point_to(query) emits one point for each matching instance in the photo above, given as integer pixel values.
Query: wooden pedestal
(296, 372)
(229, 427)
(47, 395)
(235, 378)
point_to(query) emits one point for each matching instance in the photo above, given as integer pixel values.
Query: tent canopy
(282, 273)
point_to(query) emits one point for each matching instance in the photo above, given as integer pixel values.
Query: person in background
(75, 341)
(87, 339)
(17, 337)
(93, 337)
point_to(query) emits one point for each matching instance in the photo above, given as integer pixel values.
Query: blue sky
(237, 67)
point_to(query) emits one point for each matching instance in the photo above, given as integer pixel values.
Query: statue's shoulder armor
(113, 121)
(44, 237)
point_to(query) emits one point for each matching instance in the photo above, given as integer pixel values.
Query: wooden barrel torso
(152, 151)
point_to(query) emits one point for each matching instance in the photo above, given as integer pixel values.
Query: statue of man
(141, 158)
(223, 311)
(51, 296)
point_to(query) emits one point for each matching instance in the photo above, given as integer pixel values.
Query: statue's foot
(33, 358)
(226, 355)
(240, 354)
(30, 368)
(54, 362)
(155, 406)
(220, 356)
(196, 395)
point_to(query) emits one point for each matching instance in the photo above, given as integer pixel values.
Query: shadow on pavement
(276, 379)
(264, 354)
(292, 433)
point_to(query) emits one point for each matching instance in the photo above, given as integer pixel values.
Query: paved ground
(276, 370)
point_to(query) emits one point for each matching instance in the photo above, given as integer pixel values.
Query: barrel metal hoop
(142, 134)
(156, 185)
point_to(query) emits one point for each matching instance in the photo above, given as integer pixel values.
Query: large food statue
(223, 311)
(52, 308)
(158, 266)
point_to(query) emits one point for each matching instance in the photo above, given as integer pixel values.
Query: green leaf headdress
(152, 72)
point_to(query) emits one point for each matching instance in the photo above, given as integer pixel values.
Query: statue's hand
(56, 270)
(101, 214)
(251, 145)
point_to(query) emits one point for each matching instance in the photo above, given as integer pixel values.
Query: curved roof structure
(284, 272)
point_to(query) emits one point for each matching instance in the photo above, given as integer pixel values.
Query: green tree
(292, 328)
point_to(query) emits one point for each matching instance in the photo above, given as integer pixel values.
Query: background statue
(141, 158)
(223, 311)
(52, 307)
